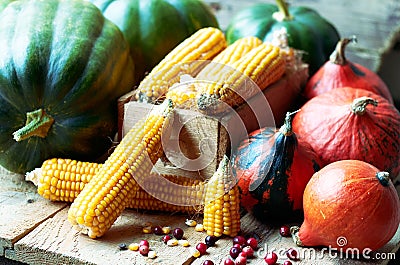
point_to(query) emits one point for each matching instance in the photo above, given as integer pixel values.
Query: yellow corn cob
(227, 57)
(264, 65)
(108, 193)
(63, 179)
(183, 93)
(186, 58)
(222, 203)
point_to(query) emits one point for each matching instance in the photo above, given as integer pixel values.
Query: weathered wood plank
(56, 242)
(21, 208)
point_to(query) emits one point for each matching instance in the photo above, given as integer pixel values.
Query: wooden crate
(198, 141)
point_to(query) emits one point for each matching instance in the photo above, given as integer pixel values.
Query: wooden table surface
(36, 231)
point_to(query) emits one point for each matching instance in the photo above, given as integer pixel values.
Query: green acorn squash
(154, 27)
(62, 68)
(306, 29)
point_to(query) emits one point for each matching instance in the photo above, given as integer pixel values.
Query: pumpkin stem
(337, 57)
(283, 13)
(38, 123)
(294, 231)
(384, 178)
(286, 128)
(359, 105)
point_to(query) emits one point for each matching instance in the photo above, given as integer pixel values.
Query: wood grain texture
(21, 208)
(56, 242)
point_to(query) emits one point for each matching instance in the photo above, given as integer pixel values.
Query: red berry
(210, 240)
(292, 254)
(178, 233)
(239, 240)
(249, 251)
(271, 258)
(144, 242)
(252, 242)
(240, 260)
(202, 248)
(284, 231)
(144, 250)
(238, 246)
(228, 261)
(166, 238)
(287, 262)
(234, 252)
(208, 262)
(157, 230)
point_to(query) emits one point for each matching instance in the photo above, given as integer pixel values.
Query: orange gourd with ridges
(340, 72)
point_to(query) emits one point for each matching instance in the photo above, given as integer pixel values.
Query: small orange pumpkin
(351, 123)
(349, 204)
(340, 72)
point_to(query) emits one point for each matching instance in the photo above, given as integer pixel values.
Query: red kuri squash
(273, 167)
(340, 72)
(351, 123)
(349, 204)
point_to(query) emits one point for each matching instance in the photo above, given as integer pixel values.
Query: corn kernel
(133, 246)
(183, 242)
(172, 242)
(190, 222)
(199, 228)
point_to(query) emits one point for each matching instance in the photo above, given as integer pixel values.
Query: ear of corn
(108, 193)
(187, 58)
(222, 203)
(260, 67)
(230, 55)
(63, 179)
(183, 93)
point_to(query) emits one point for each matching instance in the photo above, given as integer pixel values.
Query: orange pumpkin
(349, 204)
(350, 123)
(339, 72)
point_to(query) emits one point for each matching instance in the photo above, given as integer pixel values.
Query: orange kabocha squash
(351, 123)
(349, 204)
(339, 72)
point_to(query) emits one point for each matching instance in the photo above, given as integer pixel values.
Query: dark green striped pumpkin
(62, 68)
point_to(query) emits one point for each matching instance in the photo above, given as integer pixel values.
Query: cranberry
(287, 262)
(252, 242)
(238, 246)
(144, 242)
(178, 233)
(284, 231)
(228, 261)
(239, 240)
(166, 238)
(157, 230)
(234, 252)
(240, 260)
(144, 250)
(202, 248)
(249, 251)
(271, 258)
(292, 254)
(210, 240)
(208, 262)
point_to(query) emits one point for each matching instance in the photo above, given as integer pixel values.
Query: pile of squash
(333, 161)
